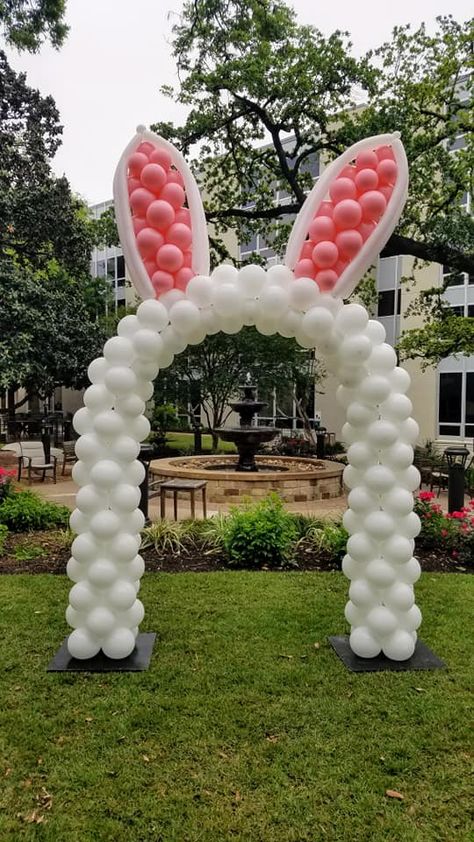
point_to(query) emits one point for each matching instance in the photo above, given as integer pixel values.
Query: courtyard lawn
(246, 727)
(185, 441)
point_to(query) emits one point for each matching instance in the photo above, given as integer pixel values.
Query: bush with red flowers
(6, 480)
(451, 532)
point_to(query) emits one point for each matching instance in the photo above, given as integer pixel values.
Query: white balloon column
(345, 221)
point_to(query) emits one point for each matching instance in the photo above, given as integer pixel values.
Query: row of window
(456, 404)
(113, 268)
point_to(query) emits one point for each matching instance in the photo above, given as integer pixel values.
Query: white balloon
(267, 326)
(400, 380)
(398, 501)
(382, 434)
(375, 331)
(169, 299)
(363, 643)
(134, 474)
(352, 318)
(121, 595)
(106, 473)
(410, 525)
(123, 547)
(374, 389)
(363, 501)
(82, 644)
(397, 407)
(231, 325)
(329, 346)
(124, 498)
(75, 570)
(81, 473)
(97, 398)
(399, 646)
(173, 341)
(79, 522)
(410, 478)
(152, 314)
(88, 448)
(118, 350)
(125, 448)
(81, 597)
(379, 479)
(147, 369)
(318, 323)
(120, 380)
(225, 273)
(249, 311)
(352, 523)
(199, 290)
(135, 568)
(226, 299)
(280, 275)
(355, 348)
(289, 324)
(381, 620)
(380, 573)
(379, 525)
(185, 317)
(345, 396)
(361, 547)
(74, 618)
(130, 406)
(409, 572)
(397, 549)
(274, 300)
(383, 359)
(100, 621)
(251, 279)
(349, 434)
(128, 326)
(119, 644)
(210, 321)
(144, 389)
(134, 522)
(102, 573)
(400, 596)
(84, 547)
(139, 428)
(304, 294)
(332, 304)
(412, 619)
(109, 424)
(147, 343)
(89, 500)
(360, 415)
(165, 359)
(134, 615)
(97, 370)
(361, 455)
(352, 477)
(353, 614)
(83, 421)
(409, 431)
(104, 524)
(362, 594)
(399, 456)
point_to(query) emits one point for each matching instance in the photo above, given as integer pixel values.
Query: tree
(250, 74)
(442, 334)
(47, 335)
(26, 23)
(208, 375)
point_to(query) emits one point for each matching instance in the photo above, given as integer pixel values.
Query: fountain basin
(297, 480)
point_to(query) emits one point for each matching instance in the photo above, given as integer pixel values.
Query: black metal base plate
(137, 661)
(422, 659)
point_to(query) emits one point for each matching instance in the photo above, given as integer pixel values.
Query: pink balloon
(342, 188)
(349, 243)
(347, 172)
(188, 258)
(175, 177)
(387, 192)
(340, 266)
(160, 214)
(146, 148)
(366, 229)
(366, 180)
(150, 266)
(138, 224)
(325, 209)
(384, 152)
(307, 250)
(169, 258)
(183, 277)
(325, 254)
(174, 194)
(387, 171)
(322, 228)
(140, 200)
(133, 184)
(153, 176)
(183, 215)
(368, 158)
(305, 269)
(162, 282)
(180, 235)
(136, 162)
(161, 157)
(326, 280)
(347, 214)
(373, 205)
(149, 240)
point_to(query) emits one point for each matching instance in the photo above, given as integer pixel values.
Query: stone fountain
(247, 437)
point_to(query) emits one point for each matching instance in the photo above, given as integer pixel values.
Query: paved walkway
(64, 492)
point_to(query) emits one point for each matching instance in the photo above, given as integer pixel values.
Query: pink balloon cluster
(357, 201)
(160, 219)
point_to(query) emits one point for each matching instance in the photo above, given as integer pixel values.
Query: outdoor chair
(32, 457)
(69, 454)
(439, 475)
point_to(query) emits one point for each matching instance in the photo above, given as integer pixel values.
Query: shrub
(6, 483)
(24, 511)
(260, 534)
(166, 536)
(3, 536)
(452, 532)
(328, 537)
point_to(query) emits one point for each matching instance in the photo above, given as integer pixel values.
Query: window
(386, 302)
(452, 278)
(457, 311)
(111, 268)
(470, 311)
(249, 245)
(120, 266)
(100, 269)
(456, 404)
(311, 164)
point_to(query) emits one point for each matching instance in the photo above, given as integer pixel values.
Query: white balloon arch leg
(106, 567)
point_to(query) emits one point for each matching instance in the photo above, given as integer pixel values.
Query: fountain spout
(248, 436)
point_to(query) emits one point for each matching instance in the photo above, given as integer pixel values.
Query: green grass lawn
(242, 729)
(185, 441)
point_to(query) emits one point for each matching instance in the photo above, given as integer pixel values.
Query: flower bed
(454, 533)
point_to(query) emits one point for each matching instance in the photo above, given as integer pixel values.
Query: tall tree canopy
(252, 76)
(27, 23)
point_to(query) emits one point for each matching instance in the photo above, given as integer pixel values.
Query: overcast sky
(106, 77)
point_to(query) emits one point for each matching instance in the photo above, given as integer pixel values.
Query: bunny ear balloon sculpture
(344, 223)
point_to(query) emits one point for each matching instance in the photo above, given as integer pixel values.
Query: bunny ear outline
(347, 245)
(167, 244)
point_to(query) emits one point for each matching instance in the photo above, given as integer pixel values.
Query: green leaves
(261, 534)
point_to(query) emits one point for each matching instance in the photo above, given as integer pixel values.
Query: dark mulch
(44, 552)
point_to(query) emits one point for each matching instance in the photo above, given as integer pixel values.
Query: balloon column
(338, 233)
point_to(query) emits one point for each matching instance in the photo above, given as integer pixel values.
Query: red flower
(426, 495)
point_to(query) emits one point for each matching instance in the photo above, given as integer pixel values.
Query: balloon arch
(341, 228)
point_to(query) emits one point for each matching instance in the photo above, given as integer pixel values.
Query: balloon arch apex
(341, 228)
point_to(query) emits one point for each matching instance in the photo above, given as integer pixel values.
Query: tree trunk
(215, 441)
(11, 403)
